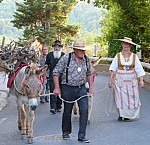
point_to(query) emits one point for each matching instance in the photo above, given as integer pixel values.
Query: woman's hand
(141, 83)
(110, 84)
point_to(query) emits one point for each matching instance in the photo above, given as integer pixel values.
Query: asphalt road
(104, 128)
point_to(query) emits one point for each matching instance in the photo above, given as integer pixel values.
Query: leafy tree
(125, 18)
(46, 19)
(7, 7)
(86, 15)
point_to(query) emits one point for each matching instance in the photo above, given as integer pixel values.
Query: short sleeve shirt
(75, 78)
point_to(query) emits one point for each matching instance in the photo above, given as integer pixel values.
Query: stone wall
(104, 69)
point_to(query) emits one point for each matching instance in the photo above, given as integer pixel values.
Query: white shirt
(138, 67)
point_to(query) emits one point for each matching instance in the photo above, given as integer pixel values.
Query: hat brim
(127, 41)
(57, 44)
(80, 48)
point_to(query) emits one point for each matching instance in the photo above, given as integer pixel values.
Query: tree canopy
(46, 19)
(129, 18)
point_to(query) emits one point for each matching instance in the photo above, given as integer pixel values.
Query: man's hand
(56, 91)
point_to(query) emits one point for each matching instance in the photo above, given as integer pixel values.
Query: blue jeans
(71, 93)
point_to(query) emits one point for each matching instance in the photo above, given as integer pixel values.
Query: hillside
(85, 15)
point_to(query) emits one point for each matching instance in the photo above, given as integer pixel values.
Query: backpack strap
(68, 67)
(69, 63)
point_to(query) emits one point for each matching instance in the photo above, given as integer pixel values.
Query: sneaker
(120, 119)
(66, 136)
(46, 99)
(53, 111)
(127, 119)
(84, 140)
(42, 101)
(58, 110)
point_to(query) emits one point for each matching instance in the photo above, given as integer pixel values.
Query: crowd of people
(68, 73)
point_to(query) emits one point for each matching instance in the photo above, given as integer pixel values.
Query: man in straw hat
(125, 70)
(75, 68)
(51, 60)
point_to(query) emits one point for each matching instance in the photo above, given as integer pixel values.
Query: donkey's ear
(42, 70)
(27, 69)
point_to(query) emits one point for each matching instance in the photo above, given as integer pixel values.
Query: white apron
(127, 94)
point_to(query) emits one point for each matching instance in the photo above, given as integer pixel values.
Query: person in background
(45, 80)
(126, 72)
(75, 70)
(51, 60)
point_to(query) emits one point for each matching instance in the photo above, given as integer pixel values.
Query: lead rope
(76, 99)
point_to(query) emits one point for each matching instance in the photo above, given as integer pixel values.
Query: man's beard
(56, 54)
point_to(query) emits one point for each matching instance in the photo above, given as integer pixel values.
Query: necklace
(126, 56)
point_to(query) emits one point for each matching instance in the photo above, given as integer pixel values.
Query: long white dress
(126, 86)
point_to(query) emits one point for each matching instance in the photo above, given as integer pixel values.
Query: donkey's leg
(23, 121)
(75, 110)
(31, 117)
(19, 118)
(26, 107)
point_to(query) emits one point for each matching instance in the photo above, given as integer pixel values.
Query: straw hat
(127, 40)
(79, 44)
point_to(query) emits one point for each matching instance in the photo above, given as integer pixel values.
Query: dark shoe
(46, 99)
(127, 119)
(120, 119)
(66, 136)
(58, 110)
(42, 101)
(83, 140)
(53, 111)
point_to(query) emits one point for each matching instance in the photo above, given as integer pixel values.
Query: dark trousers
(45, 90)
(55, 101)
(70, 93)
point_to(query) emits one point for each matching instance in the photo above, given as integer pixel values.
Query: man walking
(51, 60)
(42, 63)
(75, 71)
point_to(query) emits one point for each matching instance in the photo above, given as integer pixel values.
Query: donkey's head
(32, 84)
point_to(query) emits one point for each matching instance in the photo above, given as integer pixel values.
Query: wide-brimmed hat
(127, 40)
(79, 44)
(57, 42)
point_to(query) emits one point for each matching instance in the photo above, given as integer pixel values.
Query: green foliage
(129, 18)
(7, 8)
(86, 15)
(103, 53)
(46, 19)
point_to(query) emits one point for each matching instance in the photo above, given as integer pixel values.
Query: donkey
(27, 87)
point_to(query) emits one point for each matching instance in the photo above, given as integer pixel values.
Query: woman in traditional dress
(125, 73)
